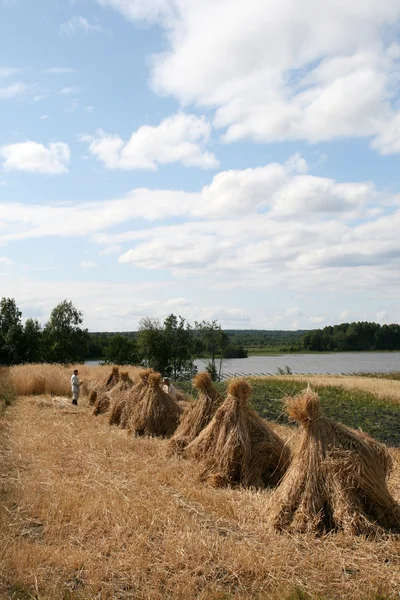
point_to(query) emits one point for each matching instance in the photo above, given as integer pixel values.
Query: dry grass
(87, 513)
(382, 388)
(55, 379)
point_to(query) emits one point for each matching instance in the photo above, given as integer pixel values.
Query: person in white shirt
(75, 385)
(168, 388)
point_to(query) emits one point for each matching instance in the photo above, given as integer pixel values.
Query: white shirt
(169, 389)
(75, 383)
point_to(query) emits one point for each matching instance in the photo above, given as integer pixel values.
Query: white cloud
(44, 117)
(81, 24)
(6, 261)
(87, 264)
(281, 71)
(382, 317)
(344, 315)
(317, 320)
(36, 158)
(70, 90)
(8, 71)
(179, 138)
(13, 90)
(253, 228)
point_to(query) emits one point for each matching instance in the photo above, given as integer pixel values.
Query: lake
(334, 364)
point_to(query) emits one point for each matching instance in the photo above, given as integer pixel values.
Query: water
(334, 364)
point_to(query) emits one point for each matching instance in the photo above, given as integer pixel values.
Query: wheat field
(381, 388)
(88, 512)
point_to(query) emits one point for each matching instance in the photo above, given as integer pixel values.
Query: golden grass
(382, 388)
(87, 512)
(55, 379)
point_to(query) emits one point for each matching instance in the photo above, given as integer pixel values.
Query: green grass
(354, 408)
(393, 375)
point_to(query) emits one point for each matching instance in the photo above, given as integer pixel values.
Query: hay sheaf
(196, 416)
(155, 413)
(124, 383)
(92, 397)
(337, 479)
(104, 382)
(238, 446)
(102, 404)
(127, 397)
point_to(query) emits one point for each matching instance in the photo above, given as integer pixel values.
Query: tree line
(359, 336)
(169, 346)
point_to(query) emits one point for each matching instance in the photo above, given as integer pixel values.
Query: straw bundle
(124, 383)
(102, 404)
(92, 397)
(155, 413)
(122, 404)
(337, 479)
(196, 416)
(238, 446)
(104, 383)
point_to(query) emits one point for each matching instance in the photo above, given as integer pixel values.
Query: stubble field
(88, 512)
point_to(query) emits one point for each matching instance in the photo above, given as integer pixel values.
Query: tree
(121, 351)
(11, 332)
(167, 347)
(65, 341)
(32, 341)
(214, 343)
(152, 344)
(179, 340)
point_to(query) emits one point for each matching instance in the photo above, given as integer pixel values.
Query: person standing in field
(168, 388)
(75, 385)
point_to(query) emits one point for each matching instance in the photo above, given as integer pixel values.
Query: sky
(217, 159)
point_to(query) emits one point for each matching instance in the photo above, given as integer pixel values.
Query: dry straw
(102, 403)
(337, 479)
(122, 403)
(238, 446)
(104, 381)
(196, 416)
(155, 413)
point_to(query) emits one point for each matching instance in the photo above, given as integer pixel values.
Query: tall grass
(34, 379)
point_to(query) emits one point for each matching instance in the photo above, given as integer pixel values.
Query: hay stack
(238, 446)
(196, 416)
(124, 383)
(92, 397)
(123, 402)
(104, 383)
(337, 479)
(101, 404)
(155, 413)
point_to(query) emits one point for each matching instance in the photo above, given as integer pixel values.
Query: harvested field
(88, 512)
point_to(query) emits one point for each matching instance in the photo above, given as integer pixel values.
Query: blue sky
(217, 159)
